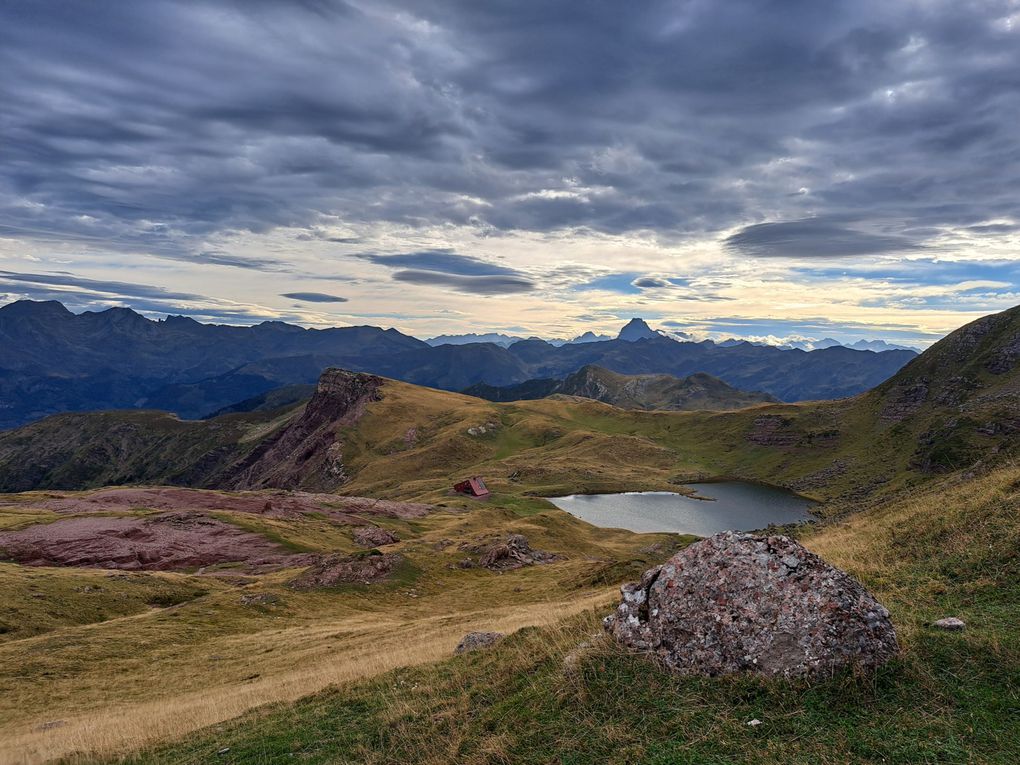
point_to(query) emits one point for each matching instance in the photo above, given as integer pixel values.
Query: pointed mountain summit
(636, 329)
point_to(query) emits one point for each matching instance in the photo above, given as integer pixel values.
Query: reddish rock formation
(308, 453)
(275, 504)
(169, 541)
(334, 570)
(373, 536)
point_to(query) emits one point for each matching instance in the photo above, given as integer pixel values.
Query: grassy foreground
(539, 698)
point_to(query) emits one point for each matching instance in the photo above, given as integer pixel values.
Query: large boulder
(741, 603)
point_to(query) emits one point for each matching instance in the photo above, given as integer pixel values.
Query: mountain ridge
(656, 391)
(58, 361)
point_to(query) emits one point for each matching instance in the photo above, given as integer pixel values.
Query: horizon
(803, 343)
(445, 168)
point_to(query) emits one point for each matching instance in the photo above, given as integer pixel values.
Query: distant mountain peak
(588, 337)
(636, 329)
(41, 308)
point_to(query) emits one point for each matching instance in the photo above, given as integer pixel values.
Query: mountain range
(951, 409)
(56, 361)
(697, 391)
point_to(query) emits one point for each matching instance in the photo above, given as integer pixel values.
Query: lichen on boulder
(742, 603)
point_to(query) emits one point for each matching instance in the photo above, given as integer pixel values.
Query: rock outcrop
(474, 641)
(334, 570)
(514, 553)
(374, 536)
(308, 453)
(741, 603)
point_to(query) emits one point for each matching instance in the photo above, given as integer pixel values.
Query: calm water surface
(734, 505)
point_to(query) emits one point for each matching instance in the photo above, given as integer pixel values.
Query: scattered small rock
(374, 536)
(474, 641)
(741, 603)
(572, 661)
(259, 599)
(950, 624)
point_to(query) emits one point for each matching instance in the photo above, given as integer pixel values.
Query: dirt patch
(275, 504)
(165, 542)
(334, 570)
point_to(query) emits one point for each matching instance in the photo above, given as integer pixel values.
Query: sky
(770, 168)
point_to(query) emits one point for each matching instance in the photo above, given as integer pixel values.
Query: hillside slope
(562, 693)
(953, 408)
(697, 391)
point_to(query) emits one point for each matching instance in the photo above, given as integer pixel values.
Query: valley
(277, 572)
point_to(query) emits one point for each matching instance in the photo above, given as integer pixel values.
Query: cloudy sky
(749, 168)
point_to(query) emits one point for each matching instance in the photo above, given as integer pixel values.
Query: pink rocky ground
(164, 542)
(275, 504)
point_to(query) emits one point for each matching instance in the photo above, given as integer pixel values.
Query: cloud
(111, 288)
(651, 282)
(444, 261)
(812, 239)
(480, 285)
(248, 116)
(314, 297)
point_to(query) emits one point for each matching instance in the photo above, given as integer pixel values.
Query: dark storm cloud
(812, 239)
(314, 297)
(164, 123)
(479, 285)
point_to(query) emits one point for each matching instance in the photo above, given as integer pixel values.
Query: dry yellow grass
(330, 653)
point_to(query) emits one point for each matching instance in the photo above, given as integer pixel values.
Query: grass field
(538, 698)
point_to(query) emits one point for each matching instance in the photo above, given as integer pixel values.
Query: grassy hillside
(114, 659)
(96, 663)
(539, 698)
(694, 392)
(952, 408)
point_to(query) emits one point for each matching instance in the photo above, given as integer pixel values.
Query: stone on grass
(741, 603)
(374, 536)
(474, 641)
(512, 554)
(950, 624)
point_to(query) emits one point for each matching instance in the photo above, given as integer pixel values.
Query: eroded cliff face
(309, 452)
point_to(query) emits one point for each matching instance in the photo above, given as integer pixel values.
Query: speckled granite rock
(741, 603)
(473, 641)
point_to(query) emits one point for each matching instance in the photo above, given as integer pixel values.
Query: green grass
(949, 698)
